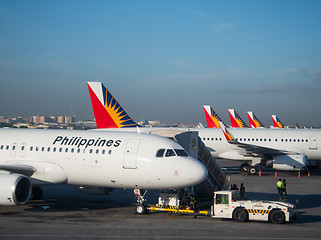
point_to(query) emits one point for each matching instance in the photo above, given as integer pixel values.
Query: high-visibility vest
(283, 185)
(279, 183)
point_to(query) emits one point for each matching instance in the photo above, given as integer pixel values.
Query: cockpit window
(160, 153)
(181, 152)
(170, 153)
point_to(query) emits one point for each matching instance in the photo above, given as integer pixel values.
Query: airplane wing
(251, 150)
(26, 170)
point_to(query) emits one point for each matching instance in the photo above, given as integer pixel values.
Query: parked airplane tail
(212, 119)
(108, 112)
(236, 120)
(254, 121)
(276, 122)
(229, 137)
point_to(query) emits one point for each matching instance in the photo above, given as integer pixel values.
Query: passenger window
(72, 150)
(78, 150)
(13, 147)
(103, 151)
(170, 153)
(1, 147)
(54, 149)
(160, 153)
(181, 152)
(31, 148)
(97, 151)
(48, 149)
(90, 151)
(22, 148)
(42, 149)
(60, 149)
(7, 148)
(109, 152)
(37, 148)
(66, 150)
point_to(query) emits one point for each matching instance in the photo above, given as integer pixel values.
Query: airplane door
(130, 157)
(313, 143)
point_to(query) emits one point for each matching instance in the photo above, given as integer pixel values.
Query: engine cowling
(295, 162)
(15, 189)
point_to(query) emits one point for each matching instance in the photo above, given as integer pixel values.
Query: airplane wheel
(140, 209)
(244, 167)
(277, 217)
(240, 215)
(36, 193)
(252, 171)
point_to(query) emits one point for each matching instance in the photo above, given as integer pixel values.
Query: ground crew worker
(279, 187)
(284, 188)
(187, 200)
(242, 191)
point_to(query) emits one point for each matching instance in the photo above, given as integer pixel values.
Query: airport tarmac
(68, 214)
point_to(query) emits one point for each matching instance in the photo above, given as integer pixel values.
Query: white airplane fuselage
(96, 158)
(291, 148)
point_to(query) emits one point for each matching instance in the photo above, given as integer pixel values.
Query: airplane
(280, 149)
(212, 119)
(35, 157)
(254, 121)
(236, 120)
(276, 122)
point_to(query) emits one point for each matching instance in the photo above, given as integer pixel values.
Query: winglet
(108, 112)
(276, 122)
(229, 137)
(212, 119)
(254, 121)
(236, 120)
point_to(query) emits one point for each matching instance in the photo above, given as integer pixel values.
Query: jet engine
(15, 189)
(295, 162)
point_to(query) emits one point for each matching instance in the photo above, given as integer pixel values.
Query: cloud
(203, 15)
(314, 74)
(222, 26)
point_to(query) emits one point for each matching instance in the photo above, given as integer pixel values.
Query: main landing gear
(251, 170)
(141, 205)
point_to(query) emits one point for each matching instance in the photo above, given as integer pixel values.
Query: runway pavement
(68, 214)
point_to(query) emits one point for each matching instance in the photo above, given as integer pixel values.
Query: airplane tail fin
(276, 122)
(229, 137)
(254, 121)
(236, 120)
(212, 119)
(108, 112)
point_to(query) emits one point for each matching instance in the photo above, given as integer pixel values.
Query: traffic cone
(229, 178)
(309, 173)
(299, 174)
(276, 174)
(260, 173)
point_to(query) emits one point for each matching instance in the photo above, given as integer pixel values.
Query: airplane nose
(198, 173)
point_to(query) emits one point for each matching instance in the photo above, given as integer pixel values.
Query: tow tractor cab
(227, 205)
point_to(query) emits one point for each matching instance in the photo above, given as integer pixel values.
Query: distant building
(60, 119)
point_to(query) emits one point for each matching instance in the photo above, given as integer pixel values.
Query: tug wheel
(277, 217)
(240, 215)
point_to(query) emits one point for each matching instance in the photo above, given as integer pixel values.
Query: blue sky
(163, 59)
